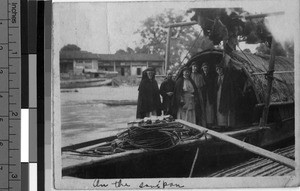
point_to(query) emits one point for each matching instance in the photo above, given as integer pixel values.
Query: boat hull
(213, 155)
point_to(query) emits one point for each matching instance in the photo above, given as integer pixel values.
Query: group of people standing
(200, 96)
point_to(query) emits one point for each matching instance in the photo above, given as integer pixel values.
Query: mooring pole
(170, 26)
(269, 77)
(194, 162)
(167, 58)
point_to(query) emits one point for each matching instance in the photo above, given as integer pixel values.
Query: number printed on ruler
(10, 95)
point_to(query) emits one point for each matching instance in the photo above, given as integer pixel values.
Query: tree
(247, 50)
(127, 51)
(287, 50)
(121, 51)
(70, 47)
(263, 49)
(130, 50)
(154, 36)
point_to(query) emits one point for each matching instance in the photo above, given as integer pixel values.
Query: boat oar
(246, 146)
(194, 162)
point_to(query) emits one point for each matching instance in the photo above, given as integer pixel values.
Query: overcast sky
(101, 27)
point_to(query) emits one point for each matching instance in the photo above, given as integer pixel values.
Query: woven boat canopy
(253, 68)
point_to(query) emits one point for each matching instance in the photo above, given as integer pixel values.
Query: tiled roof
(77, 55)
(110, 57)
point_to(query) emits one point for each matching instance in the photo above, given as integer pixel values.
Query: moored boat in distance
(83, 83)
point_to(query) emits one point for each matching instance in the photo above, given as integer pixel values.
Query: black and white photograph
(175, 94)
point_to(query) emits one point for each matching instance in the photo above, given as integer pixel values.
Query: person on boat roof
(199, 81)
(185, 103)
(148, 97)
(167, 91)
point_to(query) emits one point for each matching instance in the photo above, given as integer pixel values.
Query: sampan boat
(181, 150)
(85, 83)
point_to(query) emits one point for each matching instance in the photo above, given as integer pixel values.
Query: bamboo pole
(181, 24)
(194, 162)
(264, 118)
(246, 17)
(276, 72)
(261, 15)
(246, 146)
(167, 57)
(281, 103)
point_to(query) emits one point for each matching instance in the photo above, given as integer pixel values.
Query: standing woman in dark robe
(226, 97)
(185, 103)
(209, 96)
(148, 98)
(167, 91)
(199, 81)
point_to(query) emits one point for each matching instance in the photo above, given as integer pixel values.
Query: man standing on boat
(167, 91)
(186, 98)
(148, 99)
(225, 94)
(208, 95)
(199, 81)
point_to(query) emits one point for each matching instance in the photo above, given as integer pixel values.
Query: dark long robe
(200, 83)
(148, 98)
(176, 101)
(226, 99)
(209, 97)
(209, 88)
(167, 86)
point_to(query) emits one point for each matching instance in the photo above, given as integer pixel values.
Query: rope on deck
(156, 137)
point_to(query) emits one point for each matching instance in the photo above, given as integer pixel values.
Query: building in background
(80, 63)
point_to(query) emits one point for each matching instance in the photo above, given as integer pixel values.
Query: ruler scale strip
(10, 95)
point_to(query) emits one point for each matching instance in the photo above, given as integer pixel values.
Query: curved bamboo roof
(255, 66)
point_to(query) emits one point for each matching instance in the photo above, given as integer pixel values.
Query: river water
(85, 118)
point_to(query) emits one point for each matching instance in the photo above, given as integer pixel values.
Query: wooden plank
(88, 143)
(246, 146)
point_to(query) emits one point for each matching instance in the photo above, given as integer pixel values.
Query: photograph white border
(188, 183)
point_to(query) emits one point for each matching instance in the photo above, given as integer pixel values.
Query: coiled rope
(155, 137)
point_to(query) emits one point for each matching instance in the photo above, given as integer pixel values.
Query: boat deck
(259, 166)
(83, 160)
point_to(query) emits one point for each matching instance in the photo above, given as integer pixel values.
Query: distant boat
(84, 83)
(119, 102)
